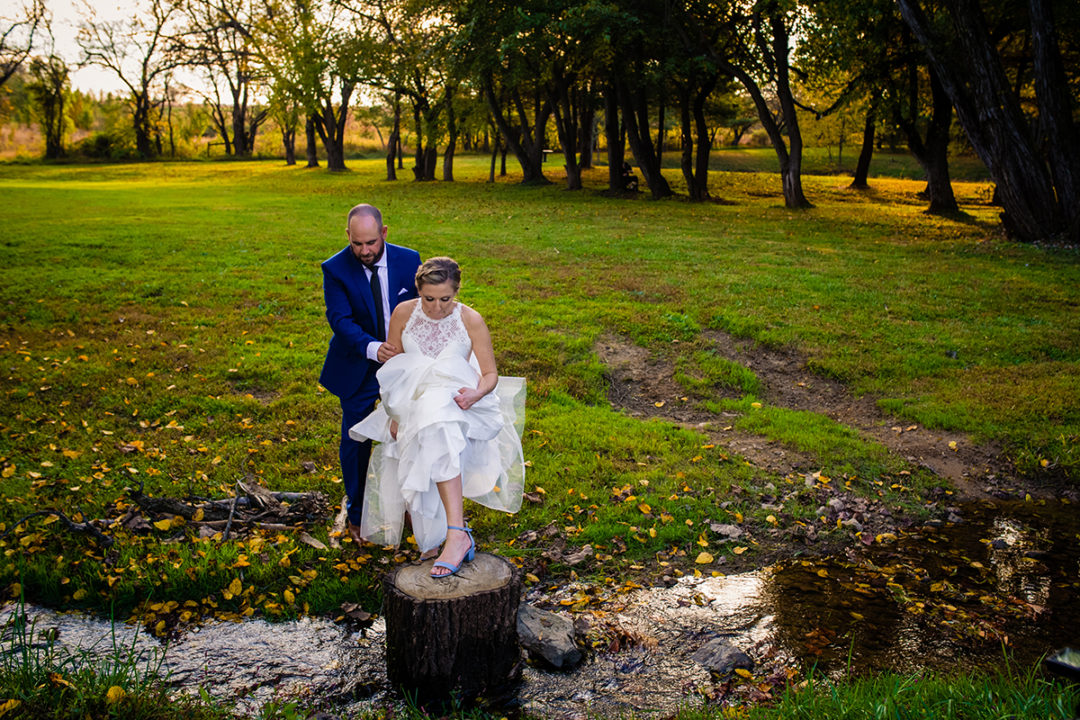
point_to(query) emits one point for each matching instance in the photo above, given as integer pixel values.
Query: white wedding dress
(436, 439)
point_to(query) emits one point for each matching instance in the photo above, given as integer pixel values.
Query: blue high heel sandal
(469, 555)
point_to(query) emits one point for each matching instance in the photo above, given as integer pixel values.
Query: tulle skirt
(437, 441)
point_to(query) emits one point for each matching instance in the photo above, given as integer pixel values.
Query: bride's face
(437, 300)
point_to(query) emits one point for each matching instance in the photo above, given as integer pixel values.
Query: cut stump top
(486, 572)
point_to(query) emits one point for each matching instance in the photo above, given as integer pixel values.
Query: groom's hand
(387, 351)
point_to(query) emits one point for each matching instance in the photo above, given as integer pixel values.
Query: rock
(836, 504)
(547, 636)
(578, 557)
(954, 518)
(1000, 544)
(728, 531)
(852, 524)
(721, 657)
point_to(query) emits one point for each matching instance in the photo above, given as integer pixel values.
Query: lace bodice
(434, 337)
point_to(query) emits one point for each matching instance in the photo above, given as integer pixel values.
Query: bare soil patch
(642, 383)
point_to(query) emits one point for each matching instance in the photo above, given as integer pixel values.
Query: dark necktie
(376, 295)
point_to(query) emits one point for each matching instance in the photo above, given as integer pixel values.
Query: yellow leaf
(652, 532)
(8, 471)
(857, 616)
(78, 594)
(198, 516)
(659, 404)
(755, 405)
(58, 679)
(165, 524)
(236, 587)
(529, 577)
(16, 589)
(771, 519)
(9, 706)
(289, 597)
(738, 517)
(115, 695)
(644, 507)
(952, 445)
(703, 558)
(743, 673)
(739, 550)
(71, 453)
(823, 573)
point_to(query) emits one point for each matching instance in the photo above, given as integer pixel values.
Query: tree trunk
(452, 136)
(1056, 115)
(567, 129)
(144, 143)
(312, 150)
(288, 139)
(418, 154)
(704, 139)
(969, 67)
(394, 142)
(527, 145)
(792, 173)
(616, 150)
(635, 114)
(586, 128)
(862, 167)
(454, 638)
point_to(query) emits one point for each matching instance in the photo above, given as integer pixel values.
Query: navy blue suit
(347, 372)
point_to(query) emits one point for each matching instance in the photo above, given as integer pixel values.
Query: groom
(362, 284)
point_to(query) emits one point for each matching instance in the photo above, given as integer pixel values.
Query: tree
(405, 45)
(17, 37)
(313, 52)
(752, 43)
(505, 75)
(1037, 176)
(49, 89)
(865, 52)
(218, 39)
(140, 54)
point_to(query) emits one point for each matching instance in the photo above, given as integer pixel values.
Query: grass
(163, 324)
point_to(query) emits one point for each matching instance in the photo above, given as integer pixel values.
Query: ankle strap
(463, 529)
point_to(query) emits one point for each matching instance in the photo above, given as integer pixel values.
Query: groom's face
(366, 238)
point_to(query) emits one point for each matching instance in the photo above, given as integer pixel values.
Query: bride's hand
(467, 397)
(393, 429)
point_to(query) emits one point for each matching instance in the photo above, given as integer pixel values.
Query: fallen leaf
(703, 558)
(743, 673)
(115, 694)
(739, 550)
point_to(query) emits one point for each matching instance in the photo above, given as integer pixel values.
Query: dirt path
(639, 380)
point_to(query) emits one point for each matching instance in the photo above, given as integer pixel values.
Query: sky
(66, 17)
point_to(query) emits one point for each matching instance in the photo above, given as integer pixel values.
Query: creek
(1005, 580)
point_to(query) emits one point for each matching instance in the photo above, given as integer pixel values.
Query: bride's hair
(438, 270)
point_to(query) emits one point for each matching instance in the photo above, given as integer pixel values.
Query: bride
(448, 426)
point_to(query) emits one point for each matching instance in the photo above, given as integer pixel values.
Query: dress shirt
(384, 283)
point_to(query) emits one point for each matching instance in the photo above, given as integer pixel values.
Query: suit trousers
(355, 455)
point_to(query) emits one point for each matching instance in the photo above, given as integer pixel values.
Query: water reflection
(1009, 574)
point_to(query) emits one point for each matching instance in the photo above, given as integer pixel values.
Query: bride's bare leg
(457, 542)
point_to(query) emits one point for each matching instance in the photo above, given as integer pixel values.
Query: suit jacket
(351, 314)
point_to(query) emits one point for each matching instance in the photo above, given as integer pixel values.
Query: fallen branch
(85, 528)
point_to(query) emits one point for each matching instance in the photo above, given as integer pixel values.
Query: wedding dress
(436, 439)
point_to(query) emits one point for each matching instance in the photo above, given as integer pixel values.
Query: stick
(232, 512)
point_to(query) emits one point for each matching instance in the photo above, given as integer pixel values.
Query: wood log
(454, 638)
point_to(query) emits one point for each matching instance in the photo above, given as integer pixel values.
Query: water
(1008, 576)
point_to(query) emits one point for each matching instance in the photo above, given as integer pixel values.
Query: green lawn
(164, 324)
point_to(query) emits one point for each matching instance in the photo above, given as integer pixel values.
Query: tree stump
(454, 637)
